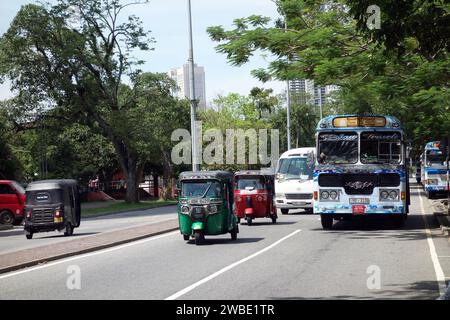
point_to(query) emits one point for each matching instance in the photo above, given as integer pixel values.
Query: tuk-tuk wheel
(29, 236)
(238, 220)
(249, 221)
(69, 230)
(186, 237)
(234, 233)
(274, 220)
(199, 238)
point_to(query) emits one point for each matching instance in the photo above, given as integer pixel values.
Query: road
(294, 259)
(13, 240)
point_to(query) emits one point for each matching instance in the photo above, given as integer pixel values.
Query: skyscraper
(181, 77)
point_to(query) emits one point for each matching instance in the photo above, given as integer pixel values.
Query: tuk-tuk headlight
(185, 209)
(213, 209)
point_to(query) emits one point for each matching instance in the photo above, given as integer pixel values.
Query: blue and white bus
(361, 168)
(434, 169)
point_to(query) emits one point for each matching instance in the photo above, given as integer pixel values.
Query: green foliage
(401, 69)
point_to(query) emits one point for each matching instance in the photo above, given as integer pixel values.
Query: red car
(12, 201)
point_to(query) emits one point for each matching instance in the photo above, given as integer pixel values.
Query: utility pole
(288, 101)
(193, 101)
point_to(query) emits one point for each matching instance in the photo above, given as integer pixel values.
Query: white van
(293, 180)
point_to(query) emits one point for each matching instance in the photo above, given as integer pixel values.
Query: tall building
(181, 77)
(304, 91)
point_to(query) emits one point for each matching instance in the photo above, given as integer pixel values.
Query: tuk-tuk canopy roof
(262, 172)
(202, 175)
(50, 184)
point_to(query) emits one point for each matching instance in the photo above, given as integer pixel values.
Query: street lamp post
(288, 101)
(195, 165)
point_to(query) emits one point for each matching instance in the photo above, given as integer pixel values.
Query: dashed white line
(440, 277)
(227, 268)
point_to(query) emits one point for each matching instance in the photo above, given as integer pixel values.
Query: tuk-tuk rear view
(52, 205)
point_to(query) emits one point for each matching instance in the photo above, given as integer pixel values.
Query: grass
(121, 206)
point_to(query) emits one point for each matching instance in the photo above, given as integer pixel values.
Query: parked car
(12, 202)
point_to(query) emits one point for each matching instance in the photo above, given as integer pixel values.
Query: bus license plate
(359, 200)
(358, 209)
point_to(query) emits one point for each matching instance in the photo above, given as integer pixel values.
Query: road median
(34, 256)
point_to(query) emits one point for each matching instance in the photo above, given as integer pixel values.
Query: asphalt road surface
(13, 240)
(294, 259)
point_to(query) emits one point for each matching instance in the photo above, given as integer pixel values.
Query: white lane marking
(440, 277)
(87, 255)
(231, 266)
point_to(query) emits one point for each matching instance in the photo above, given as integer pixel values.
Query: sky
(167, 20)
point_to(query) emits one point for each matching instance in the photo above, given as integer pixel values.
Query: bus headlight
(384, 195)
(329, 195)
(324, 195)
(333, 195)
(389, 195)
(393, 195)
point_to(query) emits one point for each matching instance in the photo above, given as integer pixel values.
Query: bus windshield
(200, 189)
(381, 147)
(338, 148)
(295, 168)
(436, 158)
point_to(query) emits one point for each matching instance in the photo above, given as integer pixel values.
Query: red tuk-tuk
(254, 195)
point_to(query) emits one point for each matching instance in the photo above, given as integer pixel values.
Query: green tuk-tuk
(205, 205)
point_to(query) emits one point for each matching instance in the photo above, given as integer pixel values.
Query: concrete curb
(34, 256)
(443, 219)
(5, 227)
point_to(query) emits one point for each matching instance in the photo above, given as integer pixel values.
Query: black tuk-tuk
(52, 205)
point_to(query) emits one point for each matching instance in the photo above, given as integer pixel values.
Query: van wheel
(284, 211)
(327, 221)
(69, 230)
(6, 217)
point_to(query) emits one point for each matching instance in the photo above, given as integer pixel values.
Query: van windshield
(200, 189)
(295, 168)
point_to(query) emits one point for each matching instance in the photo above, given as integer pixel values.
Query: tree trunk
(155, 186)
(167, 175)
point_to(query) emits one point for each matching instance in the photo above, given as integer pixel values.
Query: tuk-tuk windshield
(38, 197)
(200, 189)
(254, 183)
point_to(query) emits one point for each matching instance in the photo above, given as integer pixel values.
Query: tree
(78, 67)
(329, 43)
